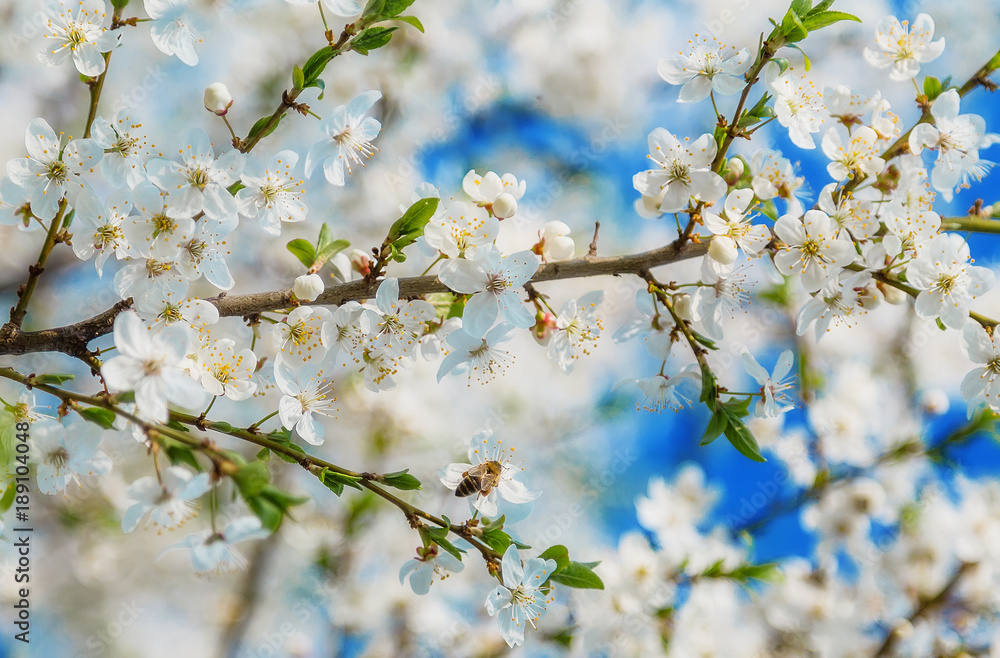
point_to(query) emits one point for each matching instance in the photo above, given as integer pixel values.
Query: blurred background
(561, 93)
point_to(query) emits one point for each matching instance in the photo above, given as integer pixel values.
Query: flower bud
(543, 329)
(218, 99)
(892, 295)
(361, 262)
(505, 206)
(733, 171)
(307, 287)
(683, 308)
(554, 243)
(934, 402)
(722, 250)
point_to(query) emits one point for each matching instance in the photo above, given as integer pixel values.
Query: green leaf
(298, 78)
(175, 424)
(222, 426)
(449, 547)
(264, 455)
(766, 572)
(743, 440)
(303, 250)
(178, 453)
(8, 497)
(410, 226)
(401, 480)
(315, 65)
(932, 87)
(264, 509)
(792, 28)
(374, 8)
(496, 539)
(252, 478)
(716, 426)
(801, 7)
(579, 576)
(103, 417)
(372, 39)
(412, 20)
(330, 250)
(260, 130)
(559, 553)
(336, 482)
(53, 378)
(816, 21)
(782, 64)
(805, 57)
(393, 8)
(821, 7)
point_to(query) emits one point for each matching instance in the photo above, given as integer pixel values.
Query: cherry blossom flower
(957, 138)
(430, 562)
(224, 371)
(710, 66)
(684, 171)
(399, 325)
(859, 157)
(13, 198)
(160, 310)
(304, 394)
(492, 281)
(137, 278)
(152, 366)
(774, 400)
(213, 552)
(476, 350)
(65, 453)
(461, 232)
(159, 228)
(379, 369)
(947, 280)
(734, 229)
(171, 29)
(520, 600)
(79, 30)
(50, 171)
(125, 149)
(486, 447)
(499, 195)
(299, 337)
(349, 139)
(854, 217)
(796, 104)
(811, 248)
(272, 194)
(661, 392)
(578, 329)
(722, 292)
(654, 327)
(203, 255)
(199, 184)
(774, 176)
(98, 228)
(169, 501)
(839, 301)
(982, 384)
(904, 47)
(346, 331)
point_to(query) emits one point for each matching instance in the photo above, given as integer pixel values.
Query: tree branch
(73, 339)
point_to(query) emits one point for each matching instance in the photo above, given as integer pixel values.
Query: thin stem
(97, 86)
(436, 261)
(34, 272)
(263, 420)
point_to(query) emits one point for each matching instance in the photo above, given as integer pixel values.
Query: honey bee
(481, 478)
